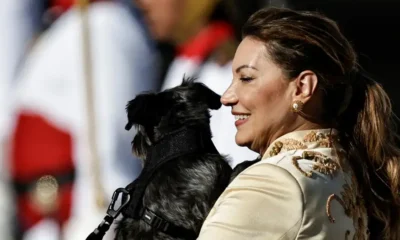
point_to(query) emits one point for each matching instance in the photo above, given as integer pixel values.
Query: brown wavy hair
(355, 104)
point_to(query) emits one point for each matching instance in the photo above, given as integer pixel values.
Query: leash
(112, 214)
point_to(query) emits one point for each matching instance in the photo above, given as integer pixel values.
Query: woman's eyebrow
(244, 66)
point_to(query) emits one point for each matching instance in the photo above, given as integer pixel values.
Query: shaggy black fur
(184, 190)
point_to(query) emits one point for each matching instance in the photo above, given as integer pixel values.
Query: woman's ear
(306, 85)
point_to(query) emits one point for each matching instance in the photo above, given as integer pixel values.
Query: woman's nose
(229, 98)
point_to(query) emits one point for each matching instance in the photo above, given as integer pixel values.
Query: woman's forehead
(250, 52)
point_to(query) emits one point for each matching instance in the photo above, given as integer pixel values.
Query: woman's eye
(246, 79)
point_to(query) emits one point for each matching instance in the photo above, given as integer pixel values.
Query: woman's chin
(242, 141)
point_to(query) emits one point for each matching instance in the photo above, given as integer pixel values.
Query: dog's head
(156, 114)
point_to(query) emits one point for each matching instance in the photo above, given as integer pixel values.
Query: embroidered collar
(305, 139)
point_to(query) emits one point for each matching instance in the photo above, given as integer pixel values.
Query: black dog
(175, 194)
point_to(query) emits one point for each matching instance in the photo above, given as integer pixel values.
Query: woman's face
(259, 95)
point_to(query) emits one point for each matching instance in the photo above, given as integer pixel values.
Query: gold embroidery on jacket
(328, 206)
(354, 208)
(323, 139)
(326, 166)
(327, 143)
(295, 162)
(276, 148)
(286, 144)
(322, 163)
(310, 137)
(349, 197)
(292, 144)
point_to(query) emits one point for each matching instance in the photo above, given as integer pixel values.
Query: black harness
(176, 144)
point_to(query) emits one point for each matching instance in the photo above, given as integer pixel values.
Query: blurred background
(68, 67)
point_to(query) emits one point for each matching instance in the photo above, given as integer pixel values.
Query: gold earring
(297, 106)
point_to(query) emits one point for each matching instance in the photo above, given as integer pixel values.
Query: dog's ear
(211, 98)
(143, 110)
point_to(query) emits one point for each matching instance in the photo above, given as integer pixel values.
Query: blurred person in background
(49, 140)
(204, 35)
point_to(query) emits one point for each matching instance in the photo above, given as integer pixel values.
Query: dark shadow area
(373, 28)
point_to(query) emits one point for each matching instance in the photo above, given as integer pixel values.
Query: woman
(329, 167)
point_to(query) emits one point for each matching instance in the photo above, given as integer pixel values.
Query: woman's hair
(358, 106)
